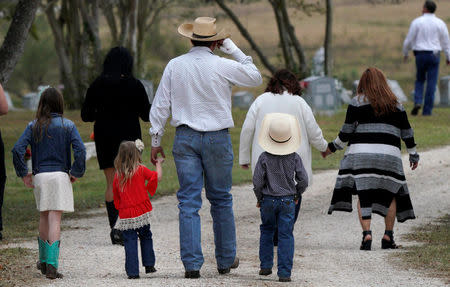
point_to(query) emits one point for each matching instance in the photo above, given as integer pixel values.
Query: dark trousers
(130, 237)
(2, 178)
(427, 65)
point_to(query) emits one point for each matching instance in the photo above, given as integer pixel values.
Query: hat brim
(186, 30)
(269, 145)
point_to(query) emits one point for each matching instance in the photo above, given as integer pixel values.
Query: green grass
(19, 210)
(433, 253)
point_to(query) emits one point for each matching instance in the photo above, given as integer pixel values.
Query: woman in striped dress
(372, 166)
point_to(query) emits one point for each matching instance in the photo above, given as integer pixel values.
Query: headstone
(90, 150)
(444, 89)
(395, 87)
(8, 100)
(242, 99)
(148, 85)
(31, 101)
(318, 63)
(321, 94)
(345, 95)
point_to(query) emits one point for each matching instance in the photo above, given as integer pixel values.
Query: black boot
(113, 214)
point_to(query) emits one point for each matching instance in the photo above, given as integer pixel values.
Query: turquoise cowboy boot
(52, 260)
(42, 263)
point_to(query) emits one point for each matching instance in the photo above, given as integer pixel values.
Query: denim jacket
(52, 152)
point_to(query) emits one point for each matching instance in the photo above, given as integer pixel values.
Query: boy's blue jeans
(277, 211)
(204, 158)
(427, 65)
(130, 237)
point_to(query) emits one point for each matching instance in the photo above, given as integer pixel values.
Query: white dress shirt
(427, 33)
(195, 90)
(284, 103)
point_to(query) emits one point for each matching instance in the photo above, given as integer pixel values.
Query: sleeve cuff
(156, 140)
(412, 150)
(332, 147)
(238, 55)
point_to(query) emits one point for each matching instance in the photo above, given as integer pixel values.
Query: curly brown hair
(284, 80)
(373, 85)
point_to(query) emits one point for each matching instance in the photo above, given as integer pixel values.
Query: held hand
(296, 202)
(258, 205)
(160, 160)
(244, 166)
(326, 153)
(72, 178)
(413, 165)
(228, 46)
(155, 152)
(28, 180)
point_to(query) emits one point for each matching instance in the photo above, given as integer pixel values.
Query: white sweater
(311, 134)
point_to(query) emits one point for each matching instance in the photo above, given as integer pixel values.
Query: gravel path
(326, 247)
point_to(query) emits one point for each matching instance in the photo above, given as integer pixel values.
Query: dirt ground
(326, 246)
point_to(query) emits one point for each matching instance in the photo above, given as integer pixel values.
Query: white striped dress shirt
(195, 90)
(427, 33)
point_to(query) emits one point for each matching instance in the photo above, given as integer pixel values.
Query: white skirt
(53, 191)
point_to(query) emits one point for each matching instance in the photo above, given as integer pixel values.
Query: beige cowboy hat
(203, 29)
(279, 134)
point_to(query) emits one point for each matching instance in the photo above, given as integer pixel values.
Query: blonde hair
(374, 86)
(126, 162)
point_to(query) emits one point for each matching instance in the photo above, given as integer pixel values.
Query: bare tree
(293, 53)
(328, 39)
(14, 43)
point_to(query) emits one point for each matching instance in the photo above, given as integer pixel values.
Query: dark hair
(284, 79)
(118, 63)
(51, 101)
(202, 43)
(430, 6)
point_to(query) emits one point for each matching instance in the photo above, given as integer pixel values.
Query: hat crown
(204, 26)
(280, 130)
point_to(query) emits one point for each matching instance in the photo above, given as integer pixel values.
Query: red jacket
(133, 200)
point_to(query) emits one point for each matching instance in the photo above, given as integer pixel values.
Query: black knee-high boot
(113, 214)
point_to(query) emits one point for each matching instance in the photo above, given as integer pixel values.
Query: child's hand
(72, 178)
(296, 202)
(160, 160)
(28, 180)
(258, 204)
(325, 153)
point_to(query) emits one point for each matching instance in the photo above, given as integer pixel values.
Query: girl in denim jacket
(50, 137)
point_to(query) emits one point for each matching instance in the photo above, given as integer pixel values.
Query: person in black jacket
(115, 101)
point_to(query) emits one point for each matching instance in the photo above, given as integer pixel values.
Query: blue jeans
(277, 211)
(130, 237)
(204, 158)
(427, 65)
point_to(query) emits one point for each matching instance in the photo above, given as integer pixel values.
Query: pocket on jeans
(288, 205)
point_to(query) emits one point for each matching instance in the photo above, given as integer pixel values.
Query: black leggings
(2, 178)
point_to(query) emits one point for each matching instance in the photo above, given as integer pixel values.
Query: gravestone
(242, 99)
(444, 89)
(148, 85)
(437, 96)
(90, 150)
(31, 101)
(321, 94)
(318, 63)
(395, 87)
(8, 100)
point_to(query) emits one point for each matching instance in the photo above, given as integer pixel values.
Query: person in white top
(427, 36)
(282, 95)
(195, 90)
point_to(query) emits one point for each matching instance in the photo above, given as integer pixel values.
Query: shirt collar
(55, 115)
(201, 48)
(428, 14)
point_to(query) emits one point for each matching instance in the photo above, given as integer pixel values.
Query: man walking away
(195, 90)
(427, 36)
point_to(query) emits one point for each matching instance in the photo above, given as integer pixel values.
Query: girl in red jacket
(131, 183)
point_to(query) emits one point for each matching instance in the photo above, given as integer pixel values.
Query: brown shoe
(52, 272)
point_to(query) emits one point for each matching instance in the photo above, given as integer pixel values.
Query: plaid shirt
(279, 175)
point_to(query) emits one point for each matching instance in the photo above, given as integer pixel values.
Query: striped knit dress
(372, 166)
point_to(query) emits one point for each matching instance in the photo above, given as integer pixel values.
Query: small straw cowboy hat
(279, 134)
(203, 29)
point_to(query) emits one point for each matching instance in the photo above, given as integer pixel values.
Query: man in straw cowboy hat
(195, 90)
(276, 191)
